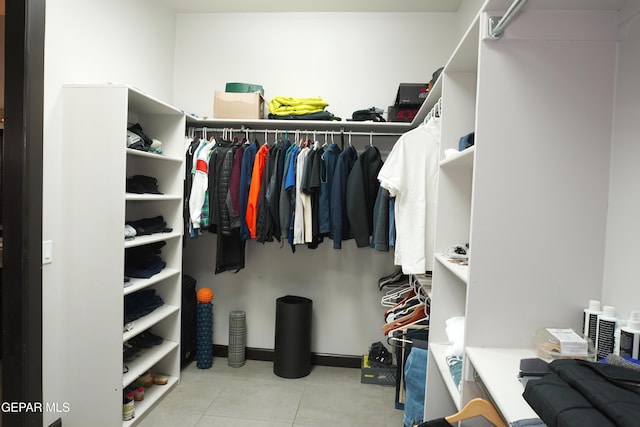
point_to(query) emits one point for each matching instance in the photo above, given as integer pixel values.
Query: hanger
(390, 298)
(418, 315)
(371, 139)
(478, 407)
(411, 295)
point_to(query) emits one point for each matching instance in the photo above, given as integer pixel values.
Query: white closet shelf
(465, 56)
(153, 238)
(439, 356)
(151, 397)
(146, 360)
(498, 368)
(460, 271)
(461, 159)
(139, 101)
(147, 197)
(154, 156)
(145, 322)
(136, 284)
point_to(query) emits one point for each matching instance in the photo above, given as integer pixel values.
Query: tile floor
(253, 395)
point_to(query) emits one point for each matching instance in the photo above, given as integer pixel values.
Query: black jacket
(362, 189)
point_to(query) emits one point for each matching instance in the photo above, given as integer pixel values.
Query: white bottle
(590, 320)
(607, 321)
(630, 336)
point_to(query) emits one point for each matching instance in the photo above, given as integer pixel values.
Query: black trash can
(292, 358)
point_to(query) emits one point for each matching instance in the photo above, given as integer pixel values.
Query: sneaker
(160, 379)
(138, 394)
(128, 407)
(379, 356)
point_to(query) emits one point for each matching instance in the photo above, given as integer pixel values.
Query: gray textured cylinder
(237, 338)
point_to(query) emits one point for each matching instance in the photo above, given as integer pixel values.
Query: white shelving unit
(535, 230)
(97, 163)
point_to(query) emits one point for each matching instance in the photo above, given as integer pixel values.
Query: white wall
(90, 41)
(352, 60)
(621, 287)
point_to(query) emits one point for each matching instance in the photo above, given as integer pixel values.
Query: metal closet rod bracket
(497, 24)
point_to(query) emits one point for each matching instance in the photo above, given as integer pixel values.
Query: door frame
(22, 210)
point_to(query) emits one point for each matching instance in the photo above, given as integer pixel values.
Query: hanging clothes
(303, 201)
(230, 248)
(311, 187)
(362, 189)
(234, 188)
(190, 150)
(382, 221)
(328, 166)
(254, 189)
(274, 188)
(410, 173)
(339, 221)
(200, 182)
(287, 196)
(248, 159)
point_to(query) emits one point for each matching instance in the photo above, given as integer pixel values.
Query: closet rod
(272, 131)
(498, 24)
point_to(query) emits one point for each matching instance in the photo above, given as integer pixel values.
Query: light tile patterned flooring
(253, 395)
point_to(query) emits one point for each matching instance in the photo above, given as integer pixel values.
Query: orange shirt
(254, 188)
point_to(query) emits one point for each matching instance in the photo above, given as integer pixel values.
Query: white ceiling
(218, 6)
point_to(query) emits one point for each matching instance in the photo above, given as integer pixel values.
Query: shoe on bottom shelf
(128, 407)
(160, 379)
(138, 394)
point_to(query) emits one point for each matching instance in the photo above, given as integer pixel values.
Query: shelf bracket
(497, 24)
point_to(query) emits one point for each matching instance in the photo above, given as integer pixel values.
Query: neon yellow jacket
(285, 106)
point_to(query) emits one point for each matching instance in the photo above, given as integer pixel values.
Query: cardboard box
(377, 375)
(231, 105)
(412, 94)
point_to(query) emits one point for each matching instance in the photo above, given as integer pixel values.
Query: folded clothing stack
(586, 394)
(137, 139)
(284, 107)
(141, 184)
(141, 303)
(144, 261)
(146, 226)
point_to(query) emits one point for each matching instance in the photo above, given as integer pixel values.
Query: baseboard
(318, 359)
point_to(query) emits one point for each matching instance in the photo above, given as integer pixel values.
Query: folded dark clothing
(135, 310)
(137, 129)
(319, 115)
(142, 256)
(145, 271)
(587, 392)
(146, 226)
(141, 184)
(558, 404)
(140, 304)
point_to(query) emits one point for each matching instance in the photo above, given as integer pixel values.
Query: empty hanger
(478, 407)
